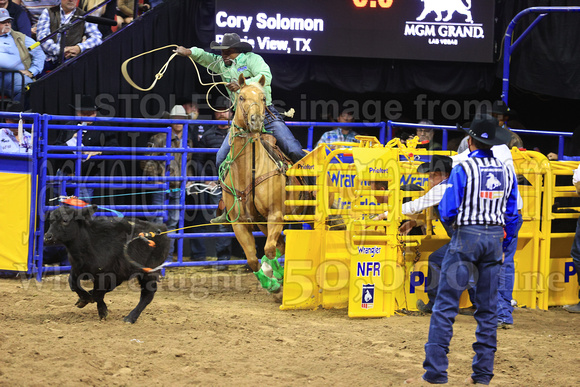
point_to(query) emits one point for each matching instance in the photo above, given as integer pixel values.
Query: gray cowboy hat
(231, 40)
(485, 129)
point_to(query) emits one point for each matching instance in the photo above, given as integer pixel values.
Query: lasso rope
(162, 71)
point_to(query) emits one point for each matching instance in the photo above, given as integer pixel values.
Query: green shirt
(251, 65)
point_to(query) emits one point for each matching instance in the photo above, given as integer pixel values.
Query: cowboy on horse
(238, 59)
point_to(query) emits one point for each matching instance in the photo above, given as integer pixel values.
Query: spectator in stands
(20, 20)
(125, 11)
(213, 137)
(194, 131)
(501, 112)
(79, 38)
(14, 55)
(12, 140)
(35, 8)
(341, 133)
(426, 137)
(107, 11)
(157, 168)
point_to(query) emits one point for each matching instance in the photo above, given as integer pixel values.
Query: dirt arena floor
(221, 329)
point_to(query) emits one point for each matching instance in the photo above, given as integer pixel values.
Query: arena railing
(139, 182)
(509, 47)
(52, 184)
(446, 129)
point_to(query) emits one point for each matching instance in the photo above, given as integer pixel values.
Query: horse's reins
(242, 132)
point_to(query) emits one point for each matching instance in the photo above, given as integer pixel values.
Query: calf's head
(66, 222)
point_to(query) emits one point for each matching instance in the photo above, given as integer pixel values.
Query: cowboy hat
(231, 40)
(16, 107)
(485, 129)
(87, 103)
(499, 107)
(178, 113)
(222, 102)
(438, 163)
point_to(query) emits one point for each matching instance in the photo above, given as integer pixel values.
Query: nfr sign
(365, 269)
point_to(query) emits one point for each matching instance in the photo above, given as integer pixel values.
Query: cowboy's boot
(222, 216)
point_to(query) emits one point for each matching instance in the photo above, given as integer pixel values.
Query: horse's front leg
(248, 243)
(273, 248)
(246, 239)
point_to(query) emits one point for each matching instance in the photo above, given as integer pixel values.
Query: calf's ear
(88, 211)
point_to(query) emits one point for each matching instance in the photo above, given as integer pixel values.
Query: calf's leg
(148, 288)
(99, 296)
(75, 285)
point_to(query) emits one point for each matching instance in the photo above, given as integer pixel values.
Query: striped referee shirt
(481, 191)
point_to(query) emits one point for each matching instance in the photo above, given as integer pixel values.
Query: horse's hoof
(277, 297)
(129, 320)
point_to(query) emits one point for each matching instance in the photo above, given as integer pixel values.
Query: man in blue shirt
(14, 55)
(481, 199)
(342, 133)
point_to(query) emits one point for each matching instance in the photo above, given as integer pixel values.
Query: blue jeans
(284, 138)
(158, 199)
(18, 85)
(473, 251)
(506, 280)
(434, 273)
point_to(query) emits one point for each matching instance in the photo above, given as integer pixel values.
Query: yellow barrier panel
(373, 270)
(14, 229)
(560, 284)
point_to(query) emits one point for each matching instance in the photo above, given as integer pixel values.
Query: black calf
(96, 252)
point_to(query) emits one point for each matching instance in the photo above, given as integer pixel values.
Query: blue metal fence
(57, 184)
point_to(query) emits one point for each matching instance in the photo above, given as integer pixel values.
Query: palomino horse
(253, 182)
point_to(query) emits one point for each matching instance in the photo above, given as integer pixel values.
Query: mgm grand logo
(445, 22)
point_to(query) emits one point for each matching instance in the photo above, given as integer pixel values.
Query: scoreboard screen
(449, 30)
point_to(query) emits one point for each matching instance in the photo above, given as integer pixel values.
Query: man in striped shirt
(480, 201)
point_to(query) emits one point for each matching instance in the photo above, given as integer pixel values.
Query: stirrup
(222, 218)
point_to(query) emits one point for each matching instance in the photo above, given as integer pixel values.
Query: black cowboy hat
(17, 107)
(438, 163)
(499, 107)
(87, 103)
(222, 102)
(485, 129)
(231, 40)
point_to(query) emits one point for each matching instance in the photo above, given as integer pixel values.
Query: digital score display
(449, 30)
